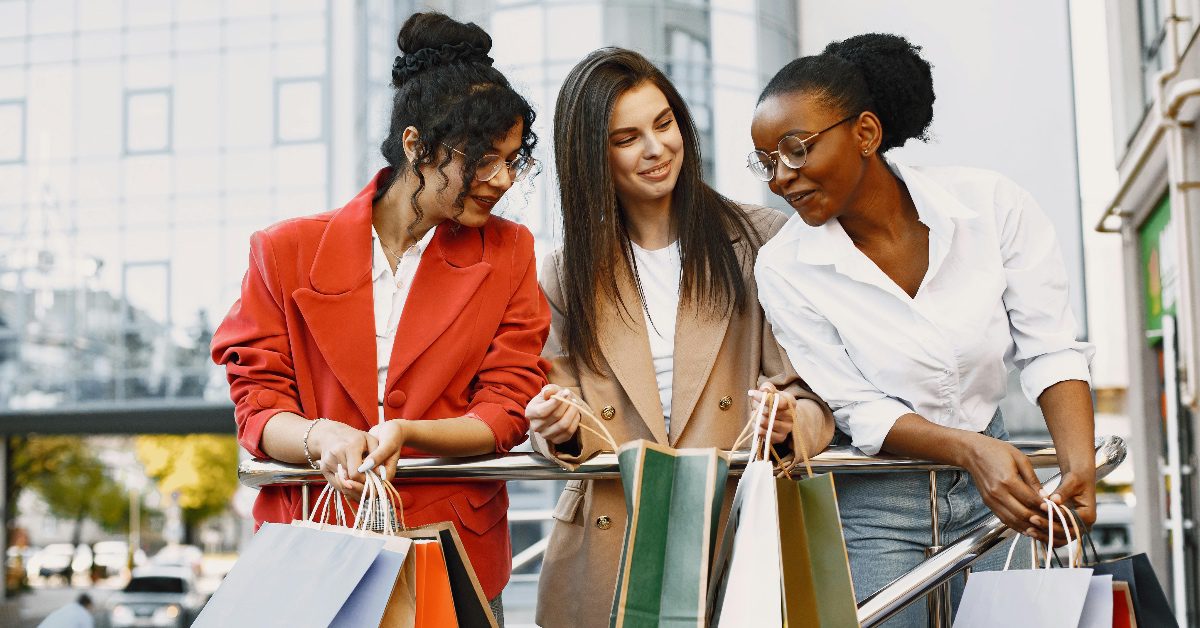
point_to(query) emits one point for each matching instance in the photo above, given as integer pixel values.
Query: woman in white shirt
(654, 317)
(902, 295)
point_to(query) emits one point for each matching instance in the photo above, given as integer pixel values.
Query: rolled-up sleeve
(252, 344)
(819, 356)
(1036, 297)
(513, 370)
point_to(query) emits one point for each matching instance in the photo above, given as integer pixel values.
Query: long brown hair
(596, 247)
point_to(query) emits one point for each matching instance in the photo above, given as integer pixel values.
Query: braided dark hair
(448, 90)
(875, 72)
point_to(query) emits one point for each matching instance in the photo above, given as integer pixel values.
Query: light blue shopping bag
(291, 576)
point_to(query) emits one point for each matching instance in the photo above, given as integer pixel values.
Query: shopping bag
(673, 500)
(441, 566)
(1149, 602)
(379, 589)
(434, 598)
(673, 503)
(1098, 605)
(1030, 598)
(1123, 616)
(290, 576)
(783, 560)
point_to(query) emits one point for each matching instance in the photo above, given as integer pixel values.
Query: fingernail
(367, 464)
(1029, 532)
(1043, 492)
(382, 471)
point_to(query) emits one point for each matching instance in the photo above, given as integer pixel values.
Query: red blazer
(302, 339)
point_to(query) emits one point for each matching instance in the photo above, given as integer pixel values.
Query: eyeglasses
(489, 165)
(792, 151)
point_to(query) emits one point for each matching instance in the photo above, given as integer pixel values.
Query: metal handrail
(954, 558)
(920, 581)
(259, 472)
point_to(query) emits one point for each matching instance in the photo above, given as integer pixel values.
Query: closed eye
(666, 124)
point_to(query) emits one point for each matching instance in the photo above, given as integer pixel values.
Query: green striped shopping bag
(673, 499)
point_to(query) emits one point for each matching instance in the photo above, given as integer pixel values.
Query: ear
(868, 133)
(411, 141)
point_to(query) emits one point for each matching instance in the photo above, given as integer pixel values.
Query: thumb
(1025, 468)
(767, 386)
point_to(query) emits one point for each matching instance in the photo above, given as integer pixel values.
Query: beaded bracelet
(306, 433)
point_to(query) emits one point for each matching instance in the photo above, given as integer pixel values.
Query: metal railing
(931, 577)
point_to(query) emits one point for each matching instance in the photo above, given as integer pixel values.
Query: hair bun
(899, 79)
(407, 65)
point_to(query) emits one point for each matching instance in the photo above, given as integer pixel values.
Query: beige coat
(717, 359)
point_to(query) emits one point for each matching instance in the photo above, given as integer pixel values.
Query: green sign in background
(1149, 238)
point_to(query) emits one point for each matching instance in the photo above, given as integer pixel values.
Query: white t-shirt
(660, 273)
(390, 292)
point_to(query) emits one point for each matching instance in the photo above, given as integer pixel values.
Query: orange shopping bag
(435, 601)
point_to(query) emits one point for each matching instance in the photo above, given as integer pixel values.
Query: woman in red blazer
(311, 379)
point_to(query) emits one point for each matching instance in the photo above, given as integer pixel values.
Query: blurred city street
(144, 143)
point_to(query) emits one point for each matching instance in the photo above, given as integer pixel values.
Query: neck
(649, 222)
(882, 211)
(394, 213)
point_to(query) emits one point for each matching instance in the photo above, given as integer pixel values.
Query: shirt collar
(937, 208)
(379, 260)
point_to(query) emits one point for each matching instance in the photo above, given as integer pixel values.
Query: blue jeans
(886, 521)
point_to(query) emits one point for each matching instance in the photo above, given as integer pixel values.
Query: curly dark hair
(875, 72)
(448, 90)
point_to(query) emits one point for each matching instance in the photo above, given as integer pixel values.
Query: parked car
(113, 556)
(188, 556)
(157, 596)
(54, 560)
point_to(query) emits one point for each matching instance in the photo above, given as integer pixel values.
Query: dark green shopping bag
(673, 498)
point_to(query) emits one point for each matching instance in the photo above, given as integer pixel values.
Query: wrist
(966, 448)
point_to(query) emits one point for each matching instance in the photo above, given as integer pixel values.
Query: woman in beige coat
(655, 319)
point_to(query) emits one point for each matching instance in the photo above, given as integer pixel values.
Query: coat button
(603, 522)
(608, 412)
(725, 402)
(265, 399)
(396, 398)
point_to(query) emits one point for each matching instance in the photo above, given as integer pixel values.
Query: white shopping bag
(751, 596)
(1029, 598)
(1098, 607)
(745, 585)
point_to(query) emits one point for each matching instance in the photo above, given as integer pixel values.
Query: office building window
(299, 110)
(147, 121)
(12, 131)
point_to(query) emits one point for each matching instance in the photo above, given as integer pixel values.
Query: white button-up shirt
(994, 296)
(390, 291)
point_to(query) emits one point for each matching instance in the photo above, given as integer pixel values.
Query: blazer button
(603, 522)
(265, 399)
(608, 412)
(396, 398)
(725, 402)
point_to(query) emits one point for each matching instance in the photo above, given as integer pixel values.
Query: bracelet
(306, 433)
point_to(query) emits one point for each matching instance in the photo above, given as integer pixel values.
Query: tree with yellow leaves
(200, 470)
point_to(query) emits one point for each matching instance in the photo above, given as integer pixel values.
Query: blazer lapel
(341, 279)
(626, 347)
(699, 335)
(448, 277)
